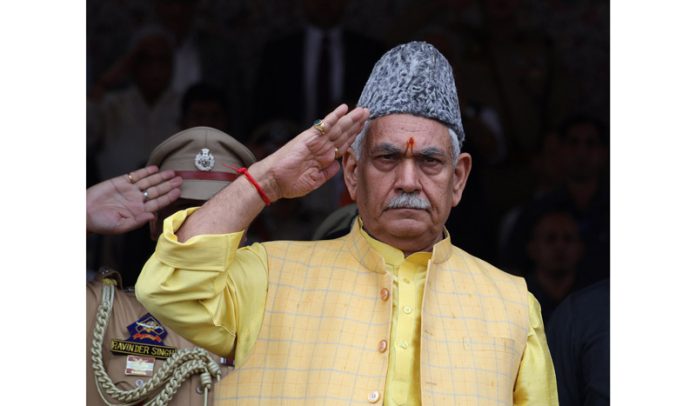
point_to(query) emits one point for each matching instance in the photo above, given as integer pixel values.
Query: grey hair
(360, 141)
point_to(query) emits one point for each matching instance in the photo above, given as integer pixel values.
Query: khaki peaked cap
(198, 155)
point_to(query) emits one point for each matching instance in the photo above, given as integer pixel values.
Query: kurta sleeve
(536, 379)
(207, 289)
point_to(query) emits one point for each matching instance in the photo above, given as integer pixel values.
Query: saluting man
(132, 357)
(391, 313)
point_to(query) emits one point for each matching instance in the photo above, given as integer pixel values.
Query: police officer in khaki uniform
(131, 356)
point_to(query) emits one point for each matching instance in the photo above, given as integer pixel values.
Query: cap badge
(205, 161)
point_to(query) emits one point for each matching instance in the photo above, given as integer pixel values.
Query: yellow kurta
(307, 321)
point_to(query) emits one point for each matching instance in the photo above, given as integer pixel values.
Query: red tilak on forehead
(409, 146)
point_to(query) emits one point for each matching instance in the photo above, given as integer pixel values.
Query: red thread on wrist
(245, 172)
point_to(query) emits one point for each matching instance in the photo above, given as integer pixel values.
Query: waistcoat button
(382, 346)
(373, 397)
(384, 294)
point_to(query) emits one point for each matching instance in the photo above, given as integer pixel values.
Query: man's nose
(408, 177)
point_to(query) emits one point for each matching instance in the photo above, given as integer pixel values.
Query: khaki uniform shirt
(126, 310)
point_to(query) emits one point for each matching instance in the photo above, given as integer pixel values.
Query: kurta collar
(371, 259)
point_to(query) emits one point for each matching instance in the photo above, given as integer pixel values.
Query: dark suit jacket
(579, 338)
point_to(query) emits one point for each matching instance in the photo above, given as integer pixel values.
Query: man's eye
(388, 157)
(430, 160)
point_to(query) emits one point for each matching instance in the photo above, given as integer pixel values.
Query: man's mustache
(408, 201)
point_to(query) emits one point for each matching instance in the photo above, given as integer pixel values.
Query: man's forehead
(404, 128)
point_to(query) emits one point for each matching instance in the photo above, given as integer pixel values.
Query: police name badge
(147, 336)
(137, 365)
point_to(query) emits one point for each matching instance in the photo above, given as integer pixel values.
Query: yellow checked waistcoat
(325, 317)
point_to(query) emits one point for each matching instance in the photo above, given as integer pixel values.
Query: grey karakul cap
(199, 156)
(414, 78)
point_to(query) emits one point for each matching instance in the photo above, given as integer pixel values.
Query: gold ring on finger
(319, 125)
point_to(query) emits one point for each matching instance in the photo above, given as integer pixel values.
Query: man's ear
(462, 169)
(350, 172)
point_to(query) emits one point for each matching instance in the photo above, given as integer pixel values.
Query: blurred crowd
(533, 77)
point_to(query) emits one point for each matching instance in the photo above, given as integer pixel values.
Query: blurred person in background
(584, 192)
(306, 73)
(555, 249)
(204, 52)
(125, 125)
